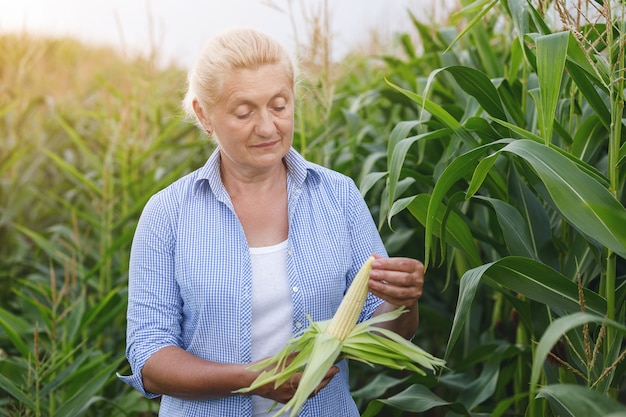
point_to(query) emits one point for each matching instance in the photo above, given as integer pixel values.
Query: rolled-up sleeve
(154, 302)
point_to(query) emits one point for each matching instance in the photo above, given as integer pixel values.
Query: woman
(228, 261)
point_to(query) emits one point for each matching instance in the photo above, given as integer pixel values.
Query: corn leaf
(78, 404)
(454, 229)
(396, 162)
(416, 398)
(14, 327)
(438, 112)
(569, 400)
(17, 392)
(551, 53)
(586, 204)
(530, 278)
(478, 85)
(554, 333)
(514, 229)
(460, 167)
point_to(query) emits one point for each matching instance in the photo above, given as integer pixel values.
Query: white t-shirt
(272, 309)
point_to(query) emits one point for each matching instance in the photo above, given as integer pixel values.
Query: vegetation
(491, 147)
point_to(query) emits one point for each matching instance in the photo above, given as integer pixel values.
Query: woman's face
(253, 120)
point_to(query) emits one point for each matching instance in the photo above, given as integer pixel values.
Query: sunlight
(178, 29)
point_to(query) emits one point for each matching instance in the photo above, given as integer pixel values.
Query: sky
(180, 27)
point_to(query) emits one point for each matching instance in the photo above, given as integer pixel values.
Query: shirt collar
(298, 170)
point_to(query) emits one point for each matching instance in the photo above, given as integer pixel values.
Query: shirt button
(298, 324)
(295, 289)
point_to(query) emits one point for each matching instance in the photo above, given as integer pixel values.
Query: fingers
(287, 390)
(294, 381)
(399, 281)
(399, 265)
(327, 378)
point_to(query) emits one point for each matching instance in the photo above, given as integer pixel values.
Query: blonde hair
(231, 50)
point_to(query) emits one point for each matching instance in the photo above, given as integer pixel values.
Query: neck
(237, 182)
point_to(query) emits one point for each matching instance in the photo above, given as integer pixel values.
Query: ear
(202, 116)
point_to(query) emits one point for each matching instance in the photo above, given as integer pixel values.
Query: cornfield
(490, 145)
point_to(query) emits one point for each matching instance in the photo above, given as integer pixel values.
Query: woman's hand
(399, 281)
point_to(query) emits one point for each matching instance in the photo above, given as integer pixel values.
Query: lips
(266, 144)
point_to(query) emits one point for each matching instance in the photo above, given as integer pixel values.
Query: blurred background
(179, 28)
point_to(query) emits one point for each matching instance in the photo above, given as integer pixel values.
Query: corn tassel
(323, 343)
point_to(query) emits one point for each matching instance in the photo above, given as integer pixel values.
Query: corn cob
(351, 306)
(322, 343)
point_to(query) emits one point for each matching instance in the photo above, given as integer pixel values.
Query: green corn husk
(317, 350)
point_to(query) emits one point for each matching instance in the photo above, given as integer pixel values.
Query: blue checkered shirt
(190, 275)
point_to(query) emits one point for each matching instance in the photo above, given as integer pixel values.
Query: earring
(209, 133)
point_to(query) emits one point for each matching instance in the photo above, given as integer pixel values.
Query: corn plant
(82, 150)
(492, 148)
(522, 136)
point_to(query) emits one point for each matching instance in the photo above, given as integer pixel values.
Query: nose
(265, 126)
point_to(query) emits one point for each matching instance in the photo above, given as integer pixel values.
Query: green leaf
(484, 6)
(398, 155)
(16, 392)
(483, 386)
(520, 14)
(514, 229)
(438, 112)
(416, 398)
(585, 203)
(457, 232)
(74, 319)
(106, 305)
(69, 368)
(523, 133)
(570, 400)
(395, 347)
(74, 173)
(46, 245)
(556, 330)
(369, 167)
(461, 167)
(551, 53)
(95, 160)
(591, 93)
(480, 173)
(582, 165)
(541, 283)
(79, 403)
(479, 86)
(378, 386)
(536, 217)
(528, 277)
(13, 326)
(482, 45)
(589, 139)
(399, 132)
(516, 61)
(509, 92)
